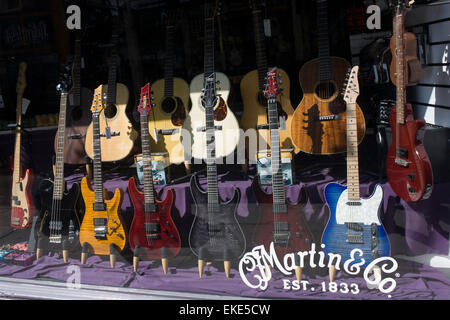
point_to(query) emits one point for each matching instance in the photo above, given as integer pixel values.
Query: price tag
(2, 104)
(282, 123)
(25, 104)
(267, 28)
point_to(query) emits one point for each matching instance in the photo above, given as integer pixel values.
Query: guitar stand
(40, 250)
(332, 273)
(164, 261)
(112, 255)
(136, 258)
(201, 261)
(84, 252)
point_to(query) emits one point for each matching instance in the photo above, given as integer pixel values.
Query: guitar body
(351, 226)
(168, 235)
(294, 217)
(78, 120)
(116, 230)
(169, 113)
(226, 139)
(319, 122)
(413, 181)
(255, 110)
(67, 214)
(117, 147)
(221, 235)
(22, 208)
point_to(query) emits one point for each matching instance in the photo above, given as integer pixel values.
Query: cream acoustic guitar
(170, 100)
(255, 115)
(117, 134)
(102, 231)
(226, 126)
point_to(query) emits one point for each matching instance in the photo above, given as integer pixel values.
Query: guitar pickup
(402, 153)
(15, 221)
(150, 207)
(16, 200)
(203, 129)
(76, 136)
(355, 238)
(99, 206)
(151, 227)
(167, 132)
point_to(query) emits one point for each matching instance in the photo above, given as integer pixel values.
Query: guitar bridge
(15, 221)
(55, 239)
(100, 228)
(167, 132)
(355, 238)
(108, 134)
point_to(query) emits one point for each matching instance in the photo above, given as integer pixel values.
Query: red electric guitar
(153, 233)
(22, 210)
(280, 222)
(408, 167)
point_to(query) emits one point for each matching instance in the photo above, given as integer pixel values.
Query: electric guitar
(227, 127)
(408, 167)
(152, 231)
(116, 131)
(58, 224)
(78, 115)
(22, 209)
(319, 122)
(354, 222)
(215, 232)
(280, 222)
(255, 113)
(171, 99)
(102, 230)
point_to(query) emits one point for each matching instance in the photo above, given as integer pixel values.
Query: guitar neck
(16, 172)
(261, 58)
(169, 61)
(211, 166)
(278, 192)
(209, 47)
(399, 29)
(98, 177)
(147, 161)
(76, 74)
(323, 41)
(112, 79)
(352, 154)
(58, 188)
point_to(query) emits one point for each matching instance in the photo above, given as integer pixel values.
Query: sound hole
(325, 90)
(262, 100)
(169, 105)
(110, 111)
(77, 113)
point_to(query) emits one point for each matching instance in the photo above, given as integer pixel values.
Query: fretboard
(400, 67)
(58, 188)
(209, 47)
(147, 161)
(112, 77)
(323, 41)
(352, 154)
(76, 75)
(169, 61)
(278, 192)
(16, 172)
(211, 166)
(98, 178)
(261, 57)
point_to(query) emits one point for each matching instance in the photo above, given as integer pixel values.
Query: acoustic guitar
(22, 209)
(78, 114)
(255, 113)
(58, 224)
(153, 233)
(116, 131)
(408, 167)
(319, 122)
(227, 132)
(280, 222)
(354, 222)
(102, 230)
(171, 99)
(215, 232)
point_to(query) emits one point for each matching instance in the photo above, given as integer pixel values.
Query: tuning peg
(280, 75)
(153, 105)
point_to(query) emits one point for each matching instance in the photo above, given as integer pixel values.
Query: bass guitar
(58, 224)
(78, 115)
(354, 223)
(227, 133)
(116, 131)
(22, 209)
(102, 230)
(215, 232)
(319, 122)
(280, 223)
(153, 233)
(171, 99)
(255, 113)
(408, 167)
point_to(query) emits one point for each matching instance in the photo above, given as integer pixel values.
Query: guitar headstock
(402, 5)
(97, 101)
(21, 79)
(351, 91)
(145, 104)
(209, 97)
(65, 80)
(271, 89)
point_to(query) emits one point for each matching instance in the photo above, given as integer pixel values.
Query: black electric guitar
(215, 232)
(58, 224)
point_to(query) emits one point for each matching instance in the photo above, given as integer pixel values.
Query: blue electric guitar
(354, 222)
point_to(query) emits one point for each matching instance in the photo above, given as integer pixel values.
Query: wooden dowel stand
(65, 251)
(332, 273)
(136, 258)
(164, 260)
(201, 266)
(227, 267)
(112, 255)
(298, 273)
(84, 252)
